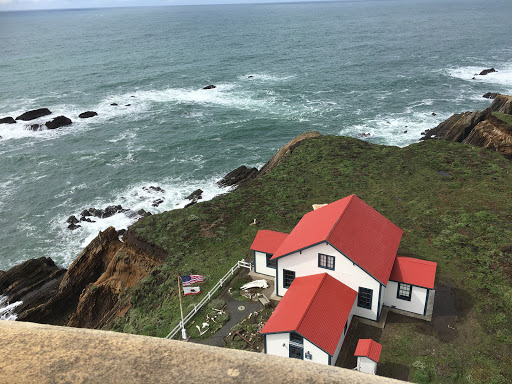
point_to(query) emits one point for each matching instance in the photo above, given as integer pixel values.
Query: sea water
(377, 70)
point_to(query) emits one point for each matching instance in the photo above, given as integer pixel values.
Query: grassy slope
(462, 219)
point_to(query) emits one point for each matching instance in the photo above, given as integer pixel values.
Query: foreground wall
(35, 353)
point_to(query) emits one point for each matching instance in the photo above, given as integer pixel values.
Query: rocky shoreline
(88, 293)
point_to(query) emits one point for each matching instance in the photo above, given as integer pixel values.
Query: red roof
(414, 271)
(317, 307)
(268, 241)
(353, 228)
(368, 348)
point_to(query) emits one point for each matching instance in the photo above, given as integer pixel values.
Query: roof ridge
(351, 198)
(312, 299)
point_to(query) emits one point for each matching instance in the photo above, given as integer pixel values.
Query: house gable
(355, 229)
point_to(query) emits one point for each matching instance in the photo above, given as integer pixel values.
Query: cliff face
(479, 128)
(87, 294)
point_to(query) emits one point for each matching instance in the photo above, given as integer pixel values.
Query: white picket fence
(197, 308)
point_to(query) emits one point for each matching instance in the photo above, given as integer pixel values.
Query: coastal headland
(451, 198)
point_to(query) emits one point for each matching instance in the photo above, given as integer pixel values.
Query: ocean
(383, 71)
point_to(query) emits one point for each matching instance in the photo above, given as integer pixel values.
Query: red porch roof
(414, 271)
(353, 228)
(368, 348)
(315, 306)
(268, 241)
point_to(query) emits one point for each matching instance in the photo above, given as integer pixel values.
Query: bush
(421, 376)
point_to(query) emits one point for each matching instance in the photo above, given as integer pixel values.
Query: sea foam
(6, 309)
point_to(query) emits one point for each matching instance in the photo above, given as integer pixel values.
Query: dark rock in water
(364, 134)
(473, 78)
(486, 71)
(490, 95)
(121, 232)
(111, 210)
(25, 279)
(153, 188)
(238, 176)
(34, 114)
(96, 212)
(132, 96)
(211, 86)
(34, 127)
(143, 213)
(405, 131)
(190, 204)
(59, 121)
(157, 202)
(127, 105)
(86, 219)
(74, 226)
(434, 114)
(86, 115)
(72, 220)
(7, 120)
(114, 104)
(85, 213)
(250, 76)
(196, 195)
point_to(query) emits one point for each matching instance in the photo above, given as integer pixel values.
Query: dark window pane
(364, 298)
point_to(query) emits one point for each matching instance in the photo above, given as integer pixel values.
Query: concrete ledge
(35, 353)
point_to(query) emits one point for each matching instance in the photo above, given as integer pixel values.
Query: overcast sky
(7, 5)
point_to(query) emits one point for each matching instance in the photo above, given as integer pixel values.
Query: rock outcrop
(87, 294)
(30, 280)
(59, 121)
(34, 114)
(211, 86)
(88, 114)
(480, 128)
(238, 176)
(490, 95)
(7, 120)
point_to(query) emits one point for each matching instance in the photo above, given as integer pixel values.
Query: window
(296, 346)
(271, 263)
(326, 261)
(288, 277)
(295, 338)
(404, 291)
(364, 298)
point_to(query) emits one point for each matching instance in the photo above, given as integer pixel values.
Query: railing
(197, 308)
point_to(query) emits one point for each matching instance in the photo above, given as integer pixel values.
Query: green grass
(460, 218)
(507, 119)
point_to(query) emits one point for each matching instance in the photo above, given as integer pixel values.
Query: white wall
(417, 303)
(260, 264)
(366, 365)
(275, 343)
(306, 263)
(342, 339)
(317, 355)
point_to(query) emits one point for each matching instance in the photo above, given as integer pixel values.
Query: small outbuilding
(368, 354)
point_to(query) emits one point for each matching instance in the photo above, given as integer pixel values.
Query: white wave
(503, 76)
(134, 198)
(400, 130)
(6, 309)
(265, 77)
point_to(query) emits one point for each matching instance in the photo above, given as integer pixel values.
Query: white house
(368, 354)
(357, 246)
(312, 320)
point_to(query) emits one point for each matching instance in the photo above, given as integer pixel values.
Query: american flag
(191, 279)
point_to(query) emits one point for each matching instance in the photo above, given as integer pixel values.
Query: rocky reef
(485, 128)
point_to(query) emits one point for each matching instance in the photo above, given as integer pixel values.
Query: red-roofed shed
(368, 353)
(264, 246)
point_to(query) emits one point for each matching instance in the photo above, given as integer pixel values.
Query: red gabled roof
(268, 241)
(368, 348)
(414, 271)
(315, 306)
(353, 228)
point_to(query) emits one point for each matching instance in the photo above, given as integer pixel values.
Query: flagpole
(183, 330)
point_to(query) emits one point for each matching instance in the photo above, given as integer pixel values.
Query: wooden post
(183, 330)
